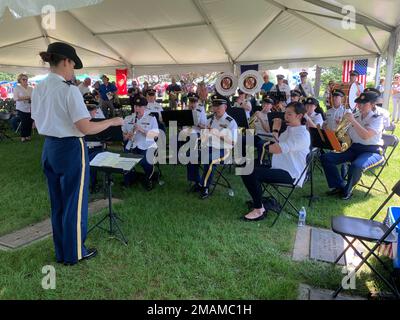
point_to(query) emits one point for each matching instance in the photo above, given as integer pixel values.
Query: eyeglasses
(25, 79)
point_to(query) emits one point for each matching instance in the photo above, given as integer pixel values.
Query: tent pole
(391, 54)
(378, 71)
(317, 85)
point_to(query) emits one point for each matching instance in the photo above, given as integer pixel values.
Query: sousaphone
(226, 84)
(250, 82)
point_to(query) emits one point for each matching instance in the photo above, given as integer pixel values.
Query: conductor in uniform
(365, 151)
(61, 116)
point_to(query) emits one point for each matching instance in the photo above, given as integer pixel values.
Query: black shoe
(204, 193)
(148, 184)
(262, 217)
(91, 253)
(347, 196)
(335, 192)
(195, 188)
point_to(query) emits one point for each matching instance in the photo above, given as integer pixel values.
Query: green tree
(331, 73)
(4, 76)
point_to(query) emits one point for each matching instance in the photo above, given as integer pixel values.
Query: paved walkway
(42, 230)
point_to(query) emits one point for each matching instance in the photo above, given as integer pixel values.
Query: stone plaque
(326, 246)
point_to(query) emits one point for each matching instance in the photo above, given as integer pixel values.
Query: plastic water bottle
(302, 217)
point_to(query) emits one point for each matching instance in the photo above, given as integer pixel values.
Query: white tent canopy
(156, 37)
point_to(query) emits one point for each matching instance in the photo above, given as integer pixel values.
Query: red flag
(121, 81)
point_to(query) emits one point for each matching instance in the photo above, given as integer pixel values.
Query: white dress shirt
(371, 121)
(295, 145)
(19, 92)
(227, 126)
(57, 106)
(334, 116)
(140, 140)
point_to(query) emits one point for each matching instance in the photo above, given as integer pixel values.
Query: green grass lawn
(179, 246)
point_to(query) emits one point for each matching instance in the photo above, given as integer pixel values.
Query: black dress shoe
(335, 192)
(148, 184)
(204, 193)
(347, 196)
(262, 217)
(91, 253)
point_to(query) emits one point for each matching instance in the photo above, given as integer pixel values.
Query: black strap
(303, 93)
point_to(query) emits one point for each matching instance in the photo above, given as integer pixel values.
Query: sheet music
(114, 160)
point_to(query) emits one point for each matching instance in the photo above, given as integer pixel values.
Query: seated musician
(139, 131)
(289, 158)
(199, 115)
(365, 151)
(154, 107)
(313, 118)
(242, 102)
(377, 107)
(217, 144)
(335, 113)
(295, 96)
(262, 127)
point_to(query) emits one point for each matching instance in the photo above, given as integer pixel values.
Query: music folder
(324, 139)
(112, 134)
(280, 115)
(184, 118)
(239, 115)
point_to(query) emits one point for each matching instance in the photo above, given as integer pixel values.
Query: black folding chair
(391, 128)
(389, 141)
(291, 187)
(368, 230)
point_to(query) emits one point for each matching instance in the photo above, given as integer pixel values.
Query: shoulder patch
(376, 115)
(68, 82)
(210, 117)
(229, 119)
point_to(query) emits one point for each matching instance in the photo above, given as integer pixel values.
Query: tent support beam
(178, 26)
(373, 40)
(162, 46)
(19, 42)
(391, 55)
(210, 25)
(86, 49)
(42, 30)
(259, 35)
(293, 12)
(363, 19)
(378, 71)
(128, 65)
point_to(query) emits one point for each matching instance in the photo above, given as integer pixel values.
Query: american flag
(359, 65)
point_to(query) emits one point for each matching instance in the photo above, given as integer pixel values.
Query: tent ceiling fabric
(174, 36)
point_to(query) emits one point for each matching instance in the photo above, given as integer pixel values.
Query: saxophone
(341, 131)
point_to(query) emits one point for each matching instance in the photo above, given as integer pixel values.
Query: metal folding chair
(291, 187)
(4, 117)
(367, 230)
(389, 141)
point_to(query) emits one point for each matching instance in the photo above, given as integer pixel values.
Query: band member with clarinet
(305, 86)
(217, 144)
(289, 158)
(366, 150)
(61, 116)
(313, 118)
(139, 131)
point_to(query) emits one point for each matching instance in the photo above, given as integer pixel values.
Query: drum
(354, 93)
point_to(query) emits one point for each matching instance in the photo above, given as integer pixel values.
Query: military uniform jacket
(371, 121)
(140, 140)
(308, 89)
(334, 116)
(227, 125)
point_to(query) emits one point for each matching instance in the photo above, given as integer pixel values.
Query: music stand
(182, 117)
(112, 134)
(239, 115)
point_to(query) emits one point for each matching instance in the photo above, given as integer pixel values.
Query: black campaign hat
(67, 51)
(366, 97)
(338, 92)
(140, 101)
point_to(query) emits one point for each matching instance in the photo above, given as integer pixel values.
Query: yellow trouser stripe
(79, 213)
(211, 166)
(375, 164)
